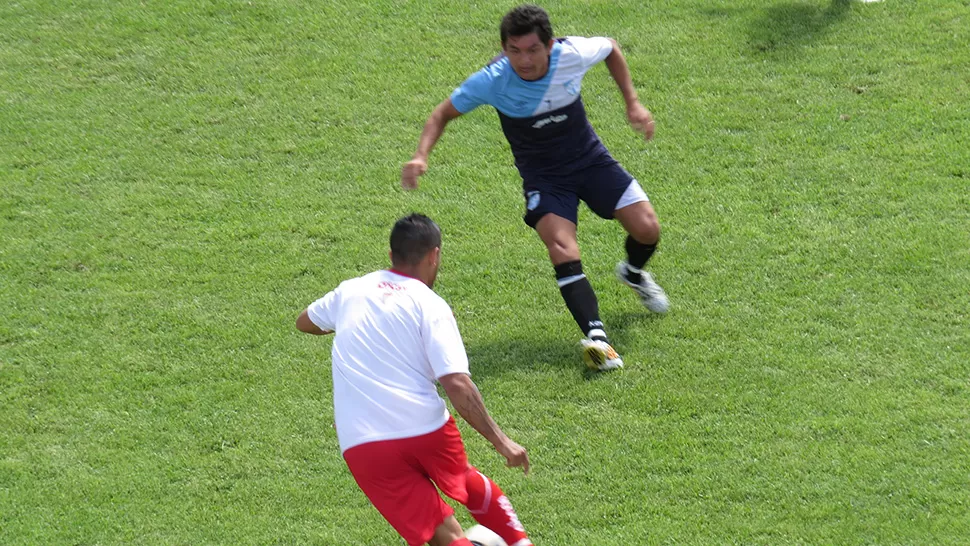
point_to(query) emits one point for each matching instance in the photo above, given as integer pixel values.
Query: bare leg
(446, 533)
(640, 221)
(559, 236)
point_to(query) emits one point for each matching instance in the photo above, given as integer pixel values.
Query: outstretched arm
(432, 131)
(640, 118)
(468, 403)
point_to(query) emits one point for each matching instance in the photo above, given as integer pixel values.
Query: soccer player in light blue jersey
(534, 85)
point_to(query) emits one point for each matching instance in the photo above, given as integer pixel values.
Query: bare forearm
(469, 404)
(429, 136)
(433, 129)
(620, 71)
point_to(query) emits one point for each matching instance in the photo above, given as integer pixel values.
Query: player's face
(528, 56)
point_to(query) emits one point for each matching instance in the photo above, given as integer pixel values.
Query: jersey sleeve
(323, 312)
(442, 341)
(473, 92)
(591, 50)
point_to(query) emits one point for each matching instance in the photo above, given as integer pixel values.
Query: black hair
(412, 237)
(526, 19)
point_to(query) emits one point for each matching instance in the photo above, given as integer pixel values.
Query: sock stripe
(569, 280)
(488, 496)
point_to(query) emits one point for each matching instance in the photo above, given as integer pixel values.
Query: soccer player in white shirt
(395, 337)
(535, 88)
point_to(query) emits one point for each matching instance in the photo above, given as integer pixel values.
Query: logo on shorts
(532, 200)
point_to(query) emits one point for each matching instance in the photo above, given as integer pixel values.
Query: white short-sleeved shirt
(394, 338)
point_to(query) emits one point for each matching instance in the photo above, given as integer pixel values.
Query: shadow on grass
(553, 350)
(790, 25)
(516, 355)
(630, 325)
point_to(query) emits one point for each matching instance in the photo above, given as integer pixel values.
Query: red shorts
(399, 478)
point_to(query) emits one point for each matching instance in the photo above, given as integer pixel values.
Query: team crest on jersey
(572, 87)
(532, 200)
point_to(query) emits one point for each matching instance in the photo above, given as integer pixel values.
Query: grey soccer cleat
(651, 295)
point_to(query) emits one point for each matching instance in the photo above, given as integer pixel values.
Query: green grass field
(179, 179)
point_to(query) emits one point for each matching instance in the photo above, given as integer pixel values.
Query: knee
(647, 231)
(562, 249)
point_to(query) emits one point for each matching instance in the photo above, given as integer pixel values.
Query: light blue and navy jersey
(544, 120)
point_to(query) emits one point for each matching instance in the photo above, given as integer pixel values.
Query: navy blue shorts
(599, 186)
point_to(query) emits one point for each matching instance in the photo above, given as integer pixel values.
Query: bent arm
(466, 398)
(434, 127)
(620, 71)
(468, 403)
(305, 325)
(639, 117)
(432, 131)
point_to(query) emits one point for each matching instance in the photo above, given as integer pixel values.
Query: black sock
(637, 255)
(580, 298)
